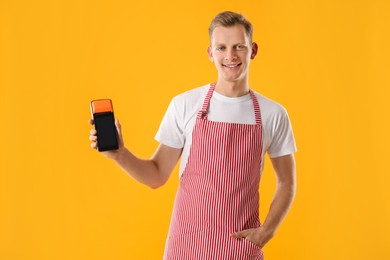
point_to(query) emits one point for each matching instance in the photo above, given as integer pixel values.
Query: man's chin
(231, 78)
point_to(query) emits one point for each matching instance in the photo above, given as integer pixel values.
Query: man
(222, 131)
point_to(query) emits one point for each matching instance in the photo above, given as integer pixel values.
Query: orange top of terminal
(101, 106)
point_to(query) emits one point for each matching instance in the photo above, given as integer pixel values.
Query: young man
(222, 132)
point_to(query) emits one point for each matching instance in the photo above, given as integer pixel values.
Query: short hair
(228, 19)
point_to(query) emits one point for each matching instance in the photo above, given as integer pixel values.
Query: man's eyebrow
(222, 44)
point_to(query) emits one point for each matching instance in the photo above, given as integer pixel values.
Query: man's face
(231, 52)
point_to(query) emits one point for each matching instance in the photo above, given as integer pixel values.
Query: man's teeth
(232, 66)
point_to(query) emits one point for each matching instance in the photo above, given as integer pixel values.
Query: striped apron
(218, 192)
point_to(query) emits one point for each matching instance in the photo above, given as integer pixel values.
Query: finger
(93, 145)
(93, 138)
(241, 234)
(118, 127)
(90, 121)
(93, 132)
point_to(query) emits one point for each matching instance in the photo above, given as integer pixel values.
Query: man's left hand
(258, 236)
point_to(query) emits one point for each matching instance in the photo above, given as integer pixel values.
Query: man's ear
(210, 54)
(254, 50)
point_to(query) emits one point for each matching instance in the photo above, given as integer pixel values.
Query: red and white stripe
(218, 191)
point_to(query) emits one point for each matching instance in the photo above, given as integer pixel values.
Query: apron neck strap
(204, 111)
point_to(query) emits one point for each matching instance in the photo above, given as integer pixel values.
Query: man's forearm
(281, 203)
(144, 171)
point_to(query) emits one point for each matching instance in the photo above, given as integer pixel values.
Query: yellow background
(327, 62)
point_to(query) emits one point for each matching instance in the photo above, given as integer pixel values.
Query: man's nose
(230, 54)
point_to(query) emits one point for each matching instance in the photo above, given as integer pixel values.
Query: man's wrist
(119, 154)
(268, 228)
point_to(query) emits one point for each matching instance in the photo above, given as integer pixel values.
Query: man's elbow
(157, 184)
(154, 187)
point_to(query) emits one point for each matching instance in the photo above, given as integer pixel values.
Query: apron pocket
(251, 244)
(251, 249)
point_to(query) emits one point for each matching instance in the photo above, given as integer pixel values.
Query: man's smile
(231, 66)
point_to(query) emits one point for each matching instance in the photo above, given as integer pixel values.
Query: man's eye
(240, 47)
(220, 48)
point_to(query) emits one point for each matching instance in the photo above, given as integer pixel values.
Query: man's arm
(284, 167)
(285, 191)
(153, 172)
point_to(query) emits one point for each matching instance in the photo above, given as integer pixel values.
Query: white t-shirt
(176, 126)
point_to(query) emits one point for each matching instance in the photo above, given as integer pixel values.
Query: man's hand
(284, 167)
(153, 172)
(258, 236)
(113, 154)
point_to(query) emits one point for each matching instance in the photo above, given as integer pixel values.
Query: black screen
(106, 131)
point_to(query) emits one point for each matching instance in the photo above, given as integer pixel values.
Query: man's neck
(232, 89)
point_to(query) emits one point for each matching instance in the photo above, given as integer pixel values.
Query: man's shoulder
(269, 106)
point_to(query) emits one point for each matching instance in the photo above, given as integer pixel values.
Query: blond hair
(228, 19)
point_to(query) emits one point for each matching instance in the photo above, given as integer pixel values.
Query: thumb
(241, 234)
(118, 126)
(119, 130)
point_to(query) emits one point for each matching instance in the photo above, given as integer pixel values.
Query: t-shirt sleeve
(283, 142)
(170, 132)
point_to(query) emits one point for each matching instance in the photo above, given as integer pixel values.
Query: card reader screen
(106, 131)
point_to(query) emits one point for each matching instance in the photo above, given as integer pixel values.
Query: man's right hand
(153, 172)
(112, 154)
